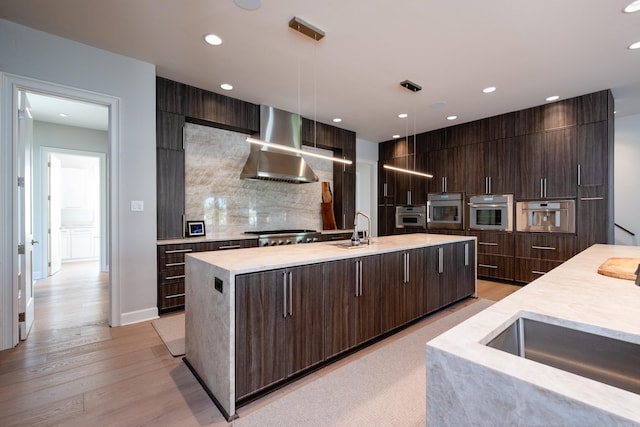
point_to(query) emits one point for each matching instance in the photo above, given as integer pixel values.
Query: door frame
(10, 84)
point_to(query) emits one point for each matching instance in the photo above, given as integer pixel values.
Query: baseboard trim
(138, 316)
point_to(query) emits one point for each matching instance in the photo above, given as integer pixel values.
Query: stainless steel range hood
(282, 128)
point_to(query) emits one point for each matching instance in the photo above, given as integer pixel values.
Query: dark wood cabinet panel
(450, 274)
(415, 284)
(170, 193)
(546, 117)
(527, 269)
(593, 148)
(386, 220)
(494, 242)
(392, 279)
(431, 141)
(592, 217)
(169, 129)
(496, 266)
(594, 107)
(448, 170)
(279, 317)
(368, 323)
(545, 246)
(169, 96)
(490, 167)
(489, 129)
(229, 113)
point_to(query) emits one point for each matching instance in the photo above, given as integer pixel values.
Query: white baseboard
(138, 316)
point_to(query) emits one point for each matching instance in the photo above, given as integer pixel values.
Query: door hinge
(21, 181)
(21, 113)
(48, 264)
(21, 317)
(21, 249)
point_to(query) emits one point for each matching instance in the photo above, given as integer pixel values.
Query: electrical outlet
(218, 284)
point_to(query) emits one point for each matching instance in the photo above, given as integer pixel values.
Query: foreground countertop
(251, 260)
(573, 295)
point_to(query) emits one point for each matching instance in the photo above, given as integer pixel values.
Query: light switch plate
(137, 205)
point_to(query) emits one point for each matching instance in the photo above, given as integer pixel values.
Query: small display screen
(489, 217)
(445, 213)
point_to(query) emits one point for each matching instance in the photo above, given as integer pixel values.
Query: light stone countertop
(572, 295)
(251, 260)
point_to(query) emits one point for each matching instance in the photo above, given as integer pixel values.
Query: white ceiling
(453, 49)
(68, 112)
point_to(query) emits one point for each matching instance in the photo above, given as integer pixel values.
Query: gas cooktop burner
(285, 237)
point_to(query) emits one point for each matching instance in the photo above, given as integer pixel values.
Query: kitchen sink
(601, 358)
(348, 245)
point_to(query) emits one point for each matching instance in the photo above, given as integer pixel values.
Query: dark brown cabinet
(448, 169)
(449, 274)
(490, 167)
(171, 265)
(495, 254)
(279, 320)
(538, 253)
(546, 165)
(352, 303)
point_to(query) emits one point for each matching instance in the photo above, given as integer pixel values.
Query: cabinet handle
(586, 199)
(488, 266)
(178, 251)
(440, 260)
(486, 185)
(545, 188)
(408, 278)
(489, 185)
(174, 296)
(290, 294)
(284, 294)
(487, 244)
(221, 248)
(355, 263)
(404, 265)
(174, 264)
(544, 248)
(541, 187)
(538, 272)
(360, 273)
(579, 174)
(384, 191)
(174, 277)
(409, 197)
(466, 254)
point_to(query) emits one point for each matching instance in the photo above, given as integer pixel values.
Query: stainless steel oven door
(444, 211)
(491, 213)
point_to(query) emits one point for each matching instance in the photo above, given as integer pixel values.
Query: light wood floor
(75, 370)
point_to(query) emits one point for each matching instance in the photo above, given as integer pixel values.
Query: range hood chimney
(264, 163)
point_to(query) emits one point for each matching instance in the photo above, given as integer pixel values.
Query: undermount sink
(348, 245)
(608, 360)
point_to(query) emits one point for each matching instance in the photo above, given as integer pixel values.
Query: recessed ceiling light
(633, 7)
(403, 115)
(452, 117)
(337, 120)
(396, 136)
(489, 89)
(63, 115)
(226, 86)
(213, 40)
(552, 98)
(634, 46)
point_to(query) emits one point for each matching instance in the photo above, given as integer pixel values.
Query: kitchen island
(257, 318)
(471, 383)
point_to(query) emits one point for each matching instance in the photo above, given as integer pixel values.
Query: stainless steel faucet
(355, 225)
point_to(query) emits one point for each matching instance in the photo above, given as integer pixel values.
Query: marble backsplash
(215, 193)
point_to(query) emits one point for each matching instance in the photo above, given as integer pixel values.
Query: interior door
(24, 217)
(54, 212)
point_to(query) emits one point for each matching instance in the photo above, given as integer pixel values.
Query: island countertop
(573, 295)
(251, 260)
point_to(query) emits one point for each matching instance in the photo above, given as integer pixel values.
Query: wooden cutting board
(621, 268)
(326, 208)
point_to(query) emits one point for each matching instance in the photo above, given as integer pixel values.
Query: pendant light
(413, 87)
(309, 30)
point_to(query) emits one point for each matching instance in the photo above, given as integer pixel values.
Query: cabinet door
(436, 165)
(368, 311)
(500, 166)
(392, 292)
(170, 193)
(557, 247)
(463, 269)
(560, 157)
(340, 305)
(593, 154)
(448, 170)
(414, 291)
(531, 167)
(304, 323)
(592, 217)
(260, 331)
(475, 166)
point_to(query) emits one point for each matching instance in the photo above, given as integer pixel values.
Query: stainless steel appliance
(491, 212)
(444, 211)
(285, 237)
(411, 216)
(550, 216)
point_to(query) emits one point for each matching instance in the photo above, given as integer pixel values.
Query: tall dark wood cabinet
(490, 167)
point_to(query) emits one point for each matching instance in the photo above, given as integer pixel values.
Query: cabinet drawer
(494, 243)
(171, 276)
(528, 270)
(496, 266)
(554, 247)
(175, 253)
(171, 296)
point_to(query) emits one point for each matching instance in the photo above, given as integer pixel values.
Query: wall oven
(550, 216)
(491, 212)
(444, 211)
(411, 216)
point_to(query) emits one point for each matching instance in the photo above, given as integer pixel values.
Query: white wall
(627, 178)
(37, 55)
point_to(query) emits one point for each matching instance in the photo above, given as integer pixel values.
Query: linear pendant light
(413, 87)
(297, 151)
